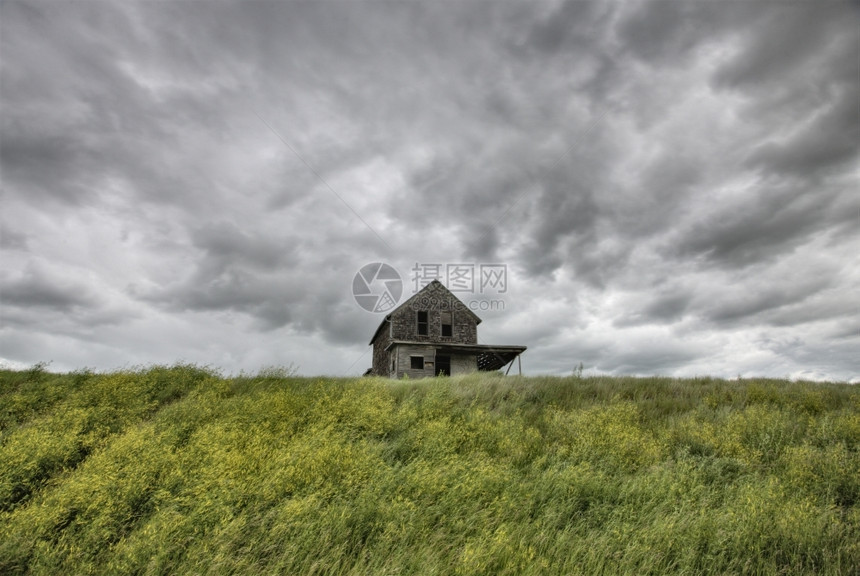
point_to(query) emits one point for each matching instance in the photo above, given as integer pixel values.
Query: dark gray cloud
(665, 31)
(35, 288)
(12, 240)
(671, 184)
(772, 220)
(740, 306)
(568, 26)
(827, 141)
(234, 270)
(58, 301)
(666, 308)
(224, 245)
(781, 40)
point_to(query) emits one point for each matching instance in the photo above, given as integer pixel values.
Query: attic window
(446, 324)
(416, 362)
(422, 323)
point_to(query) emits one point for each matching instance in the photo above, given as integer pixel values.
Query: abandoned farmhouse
(431, 334)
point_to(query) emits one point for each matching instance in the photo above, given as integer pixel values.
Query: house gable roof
(433, 287)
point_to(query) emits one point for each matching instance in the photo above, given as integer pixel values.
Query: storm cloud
(671, 185)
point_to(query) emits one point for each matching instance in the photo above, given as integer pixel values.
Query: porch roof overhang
(490, 357)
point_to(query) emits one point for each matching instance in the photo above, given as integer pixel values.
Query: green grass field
(182, 471)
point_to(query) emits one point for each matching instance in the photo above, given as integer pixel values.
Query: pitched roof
(432, 286)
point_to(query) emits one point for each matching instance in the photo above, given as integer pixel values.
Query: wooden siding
(460, 363)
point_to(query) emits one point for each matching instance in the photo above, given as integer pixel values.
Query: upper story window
(422, 323)
(447, 329)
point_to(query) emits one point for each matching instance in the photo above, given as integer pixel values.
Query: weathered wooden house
(433, 333)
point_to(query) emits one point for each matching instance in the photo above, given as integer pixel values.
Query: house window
(416, 362)
(422, 323)
(447, 330)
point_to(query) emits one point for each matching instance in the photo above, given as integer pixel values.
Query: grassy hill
(181, 471)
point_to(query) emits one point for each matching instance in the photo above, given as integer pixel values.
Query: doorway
(443, 365)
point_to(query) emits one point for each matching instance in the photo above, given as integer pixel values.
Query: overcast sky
(672, 185)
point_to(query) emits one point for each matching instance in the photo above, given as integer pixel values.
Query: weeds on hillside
(180, 470)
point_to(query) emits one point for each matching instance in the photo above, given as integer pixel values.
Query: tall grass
(181, 471)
